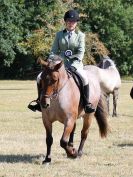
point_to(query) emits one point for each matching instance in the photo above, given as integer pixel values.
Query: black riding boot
(36, 107)
(87, 105)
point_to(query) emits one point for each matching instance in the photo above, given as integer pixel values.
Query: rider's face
(70, 25)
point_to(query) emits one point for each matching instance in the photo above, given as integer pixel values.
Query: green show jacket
(76, 44)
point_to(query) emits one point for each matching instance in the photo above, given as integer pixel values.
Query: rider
(69, 44)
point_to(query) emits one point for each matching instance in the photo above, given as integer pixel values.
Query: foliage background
(28, 27)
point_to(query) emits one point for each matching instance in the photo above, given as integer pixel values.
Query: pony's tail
(101, 115)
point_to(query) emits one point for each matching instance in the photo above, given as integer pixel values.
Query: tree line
(28, 27)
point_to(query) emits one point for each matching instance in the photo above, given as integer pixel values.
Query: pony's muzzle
(45, 106)
(46, 103)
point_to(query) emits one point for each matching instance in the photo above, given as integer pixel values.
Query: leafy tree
(112, 20)
(30, 26)
(28, 20)
(10, 31)
(48, 20)
(94, 49)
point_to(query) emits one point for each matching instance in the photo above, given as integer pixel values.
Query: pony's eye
(53, 81)
(50, 80)
(47, 77)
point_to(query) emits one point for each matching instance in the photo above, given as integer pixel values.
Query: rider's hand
(74, 58)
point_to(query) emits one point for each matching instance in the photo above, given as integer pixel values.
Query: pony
(60, 100)
(131, 93)
(110, 81)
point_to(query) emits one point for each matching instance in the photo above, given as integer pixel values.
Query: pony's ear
(41, 62)
(58, 66)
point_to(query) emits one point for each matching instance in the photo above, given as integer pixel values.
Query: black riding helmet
(71, 15)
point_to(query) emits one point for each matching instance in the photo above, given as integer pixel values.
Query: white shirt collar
(71, 31)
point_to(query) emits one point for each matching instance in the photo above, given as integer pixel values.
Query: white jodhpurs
(83, 75)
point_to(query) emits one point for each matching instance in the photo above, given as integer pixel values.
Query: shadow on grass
(125, 115)
(15, 89)
(26, 158)
(125, 145)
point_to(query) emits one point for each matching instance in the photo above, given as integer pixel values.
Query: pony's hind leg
(107, 98)
(115, 98)
(108, 104)
(86, 125)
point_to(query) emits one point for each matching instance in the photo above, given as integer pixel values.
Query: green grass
(22, 140)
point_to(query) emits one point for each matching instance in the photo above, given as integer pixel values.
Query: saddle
(78, 82)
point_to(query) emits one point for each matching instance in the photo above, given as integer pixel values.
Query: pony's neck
(63, 76)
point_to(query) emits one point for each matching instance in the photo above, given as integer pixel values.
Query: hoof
(80, 153)
(114, 115)
(72, 153)
(46, 161)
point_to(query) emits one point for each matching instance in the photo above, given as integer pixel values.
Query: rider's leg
(88, 106)
(37, 107)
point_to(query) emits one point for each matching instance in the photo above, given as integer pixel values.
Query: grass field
(22, 139)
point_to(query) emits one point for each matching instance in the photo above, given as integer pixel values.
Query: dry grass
(22, 140)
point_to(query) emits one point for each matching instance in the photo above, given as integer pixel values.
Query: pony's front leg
(86, 124)
(49, 141)
(68, 130)
(70, 143)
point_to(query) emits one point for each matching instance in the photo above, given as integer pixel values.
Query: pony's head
(49, 79)
(106, 62)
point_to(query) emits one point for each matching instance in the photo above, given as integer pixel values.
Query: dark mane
(106, 63)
